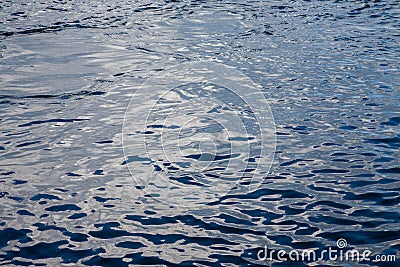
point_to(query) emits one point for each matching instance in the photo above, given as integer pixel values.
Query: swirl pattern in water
(328, 69)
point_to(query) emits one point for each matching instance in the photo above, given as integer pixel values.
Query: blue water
(328, 69)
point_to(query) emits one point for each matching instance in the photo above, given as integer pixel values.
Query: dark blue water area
(328, 69)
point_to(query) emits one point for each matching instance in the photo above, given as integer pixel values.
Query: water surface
(329, 70)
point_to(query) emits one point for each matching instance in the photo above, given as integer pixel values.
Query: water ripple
(329, 70)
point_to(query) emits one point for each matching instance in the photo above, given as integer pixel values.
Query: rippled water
(328, 69)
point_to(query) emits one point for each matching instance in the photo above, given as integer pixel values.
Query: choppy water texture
(329, 70)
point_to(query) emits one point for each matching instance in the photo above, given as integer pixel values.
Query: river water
(329, 71)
